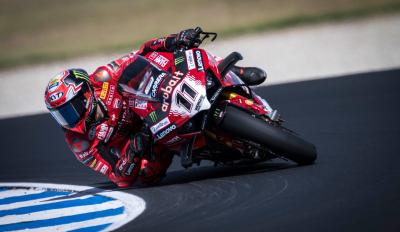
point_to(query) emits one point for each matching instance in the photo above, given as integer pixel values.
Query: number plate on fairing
(165, 100)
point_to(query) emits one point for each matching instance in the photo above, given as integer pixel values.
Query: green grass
(39, 31)
(317, 18)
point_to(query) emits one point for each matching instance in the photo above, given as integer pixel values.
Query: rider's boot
(250, 75)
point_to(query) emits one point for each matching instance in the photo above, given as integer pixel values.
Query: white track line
(78, 225)
(16, 193)
(55, 213)
(41, 201)
(133, 205)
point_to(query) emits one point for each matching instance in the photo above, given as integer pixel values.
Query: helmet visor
(70, 114)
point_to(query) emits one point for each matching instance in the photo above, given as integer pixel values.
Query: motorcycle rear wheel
(281, 142)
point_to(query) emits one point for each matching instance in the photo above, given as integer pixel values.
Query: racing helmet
(70, 98)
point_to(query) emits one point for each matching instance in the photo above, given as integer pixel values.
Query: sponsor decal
(55, 82)
(86, 161)
(53, 85)
(122, 165)
(81, 75)
(153, 116)
(110, 95)
(109, 133)
(216, 94)
(165, 132)
(93, 164)
(173, 140)
(140, 104)
(84, 155)
(148, 86)
(199, 61)
(153, 55)
(104, 90)
(178, 74)
(104, 169)
(190, 59)
(179, 60)
(131, 102)
(98, 165)
(160, 125)
(103, 131)
(167, 90)
(154, 88)
(159, 59)
(198, 105)
(117, 104)
(55, 96)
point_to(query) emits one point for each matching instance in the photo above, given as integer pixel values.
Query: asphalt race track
(353, 186)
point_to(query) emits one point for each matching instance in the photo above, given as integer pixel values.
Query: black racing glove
(138, 148)
(188, 38)
(140, 145)
(126, 165)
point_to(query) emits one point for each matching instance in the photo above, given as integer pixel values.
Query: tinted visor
(70, 114)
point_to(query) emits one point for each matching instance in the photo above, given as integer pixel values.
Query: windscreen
(232, 79)
(142, 79)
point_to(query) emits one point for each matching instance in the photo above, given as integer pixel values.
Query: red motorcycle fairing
(167, 90)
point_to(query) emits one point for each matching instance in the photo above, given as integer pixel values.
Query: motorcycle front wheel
(282, 142)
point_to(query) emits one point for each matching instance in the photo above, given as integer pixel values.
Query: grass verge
(30, 34)
(314, 19)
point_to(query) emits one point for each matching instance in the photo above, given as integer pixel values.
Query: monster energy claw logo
(81, 75)
(179, 60)
(153, 116)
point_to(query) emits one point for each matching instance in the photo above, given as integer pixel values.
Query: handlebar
(200, 32)
(201, 35)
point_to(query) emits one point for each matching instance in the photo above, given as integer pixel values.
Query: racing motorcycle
(197, 108)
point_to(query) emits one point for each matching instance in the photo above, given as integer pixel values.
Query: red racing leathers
(104, 145)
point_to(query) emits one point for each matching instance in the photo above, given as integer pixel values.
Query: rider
(99, 127)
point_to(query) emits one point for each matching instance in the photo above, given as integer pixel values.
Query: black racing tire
(243, 125)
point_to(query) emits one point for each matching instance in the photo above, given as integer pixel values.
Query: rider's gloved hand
(137, 150)
(140, 144)
(126, 164)
(188, 38)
